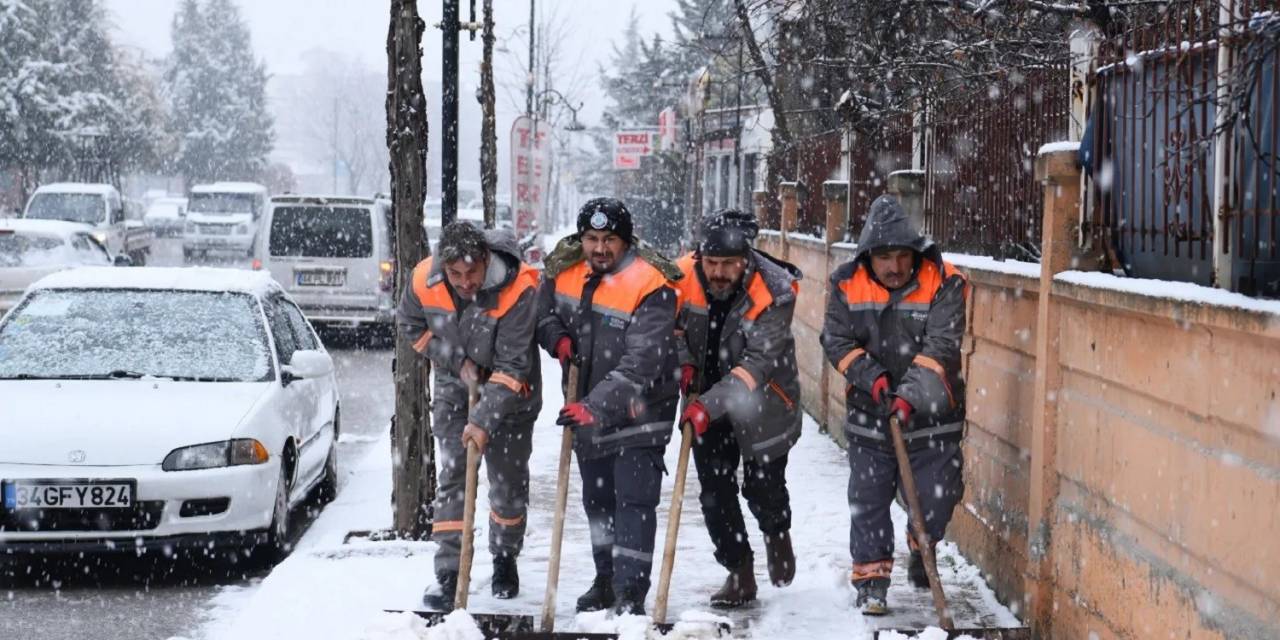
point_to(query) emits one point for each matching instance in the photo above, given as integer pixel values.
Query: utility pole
(450, 26)
(489, 125)
(533, 65)
(335, 145)
(413, 455)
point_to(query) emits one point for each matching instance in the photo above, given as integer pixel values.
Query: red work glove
(902, 409)
(687, 372)
(564, 350)
(697, 415)
(575, 414)
(879, 388)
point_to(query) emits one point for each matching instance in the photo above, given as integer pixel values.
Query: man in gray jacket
(894, 322)
(472, 310)
(737, 351)
(612, 313)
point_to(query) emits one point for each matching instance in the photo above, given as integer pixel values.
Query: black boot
(781, 559)
(739, 588)
(873, 596)
(915, 571)
(599, 596)
(506, 578)
(630, 602)
(440, 596)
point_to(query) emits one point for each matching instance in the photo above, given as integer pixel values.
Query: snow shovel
(673, 518)
(930, 561)
(493, 625)
(562, 500)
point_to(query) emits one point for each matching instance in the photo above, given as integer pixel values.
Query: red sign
(530, 172)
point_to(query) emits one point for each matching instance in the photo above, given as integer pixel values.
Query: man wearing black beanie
(612, 313)
(737, 351)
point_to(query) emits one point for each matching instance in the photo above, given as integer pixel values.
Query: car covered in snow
(166, 216)
(97, 206)
(33, 249)
(160, 409)
(223, 217)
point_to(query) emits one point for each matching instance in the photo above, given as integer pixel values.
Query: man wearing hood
(894, 323)
(612, 312)
(472, 310)
(737, 351)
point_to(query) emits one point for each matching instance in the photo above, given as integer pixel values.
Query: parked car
(334, 257)
(33, 249)
(223, 216)
(161, 408)
(98, 206)
(166, 216)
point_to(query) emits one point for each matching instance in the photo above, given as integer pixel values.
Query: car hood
(17, 279)
(220, 218)
(117, 422)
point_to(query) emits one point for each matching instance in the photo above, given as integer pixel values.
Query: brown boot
(739, 588)
(782, 559)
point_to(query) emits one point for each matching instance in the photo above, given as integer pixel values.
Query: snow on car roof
(229, 187)
(258, 283)
(294, 198)
(29, 225)
(76, 187)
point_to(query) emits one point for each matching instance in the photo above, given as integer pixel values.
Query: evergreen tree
(218, 95)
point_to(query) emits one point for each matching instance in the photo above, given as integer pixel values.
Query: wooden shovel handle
(673, 519)
(468, 510)
(562, 500)
(917, 522)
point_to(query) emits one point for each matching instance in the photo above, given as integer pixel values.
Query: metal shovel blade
(979, 633)
(517, 627)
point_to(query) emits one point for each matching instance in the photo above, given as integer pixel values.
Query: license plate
(216, 230)
(69, 494)
(321, 278)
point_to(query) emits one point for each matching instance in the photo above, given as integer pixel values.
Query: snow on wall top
(1062, 145)
(987, 263)
(258, 283)
(229, 187)
(53, 227)
(1178, 291)
(77, 187)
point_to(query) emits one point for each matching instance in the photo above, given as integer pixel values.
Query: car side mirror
(306, 364)
(122, 261)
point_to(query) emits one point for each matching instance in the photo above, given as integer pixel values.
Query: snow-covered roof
(76, 187)
(294, 198)
(258, 283)
(50, 227)
(229, 187)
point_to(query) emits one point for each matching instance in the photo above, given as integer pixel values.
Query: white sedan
(161, 409)
(33, 249)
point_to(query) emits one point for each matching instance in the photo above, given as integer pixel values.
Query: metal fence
(1158, 128)
(872, 157)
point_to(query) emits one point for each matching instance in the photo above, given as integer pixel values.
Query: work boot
(599, 596)
(630, 602)
(781, 559)
(873, 596)
(506, 578)
(440, 596)
(739, 588)
(915, 571)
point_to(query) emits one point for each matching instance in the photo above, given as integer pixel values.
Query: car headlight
(191, 227)
(242, 229)
(100, 236)
(228, 453)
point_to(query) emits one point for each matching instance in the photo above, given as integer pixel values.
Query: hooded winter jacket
(912, 334)
(621, 324)
(761, 391)
(495, 331)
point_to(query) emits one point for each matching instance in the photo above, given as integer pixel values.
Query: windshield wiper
(124, 373)
(201, 378)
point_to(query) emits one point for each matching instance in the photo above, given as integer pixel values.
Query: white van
(223, 216)
(334, 257)
(100, 208)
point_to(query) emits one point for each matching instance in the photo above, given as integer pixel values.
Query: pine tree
(217, 92)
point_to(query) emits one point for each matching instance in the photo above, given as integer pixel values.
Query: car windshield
(92, 333)
(87, 208)
(31, 250)
(322, 232)
(222, 203)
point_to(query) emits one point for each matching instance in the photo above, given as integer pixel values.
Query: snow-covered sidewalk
(331, 590)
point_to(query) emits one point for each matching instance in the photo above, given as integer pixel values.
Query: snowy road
(127, 598)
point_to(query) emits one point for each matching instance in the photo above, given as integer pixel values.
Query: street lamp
(551, 96)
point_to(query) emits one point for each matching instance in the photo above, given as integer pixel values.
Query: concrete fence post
(790, 211)
(908, 188)
(836, 195)
(1058, 172)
